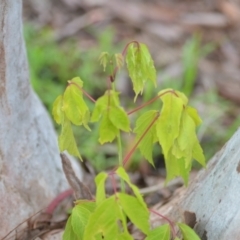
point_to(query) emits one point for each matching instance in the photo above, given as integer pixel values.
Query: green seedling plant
(172, 126)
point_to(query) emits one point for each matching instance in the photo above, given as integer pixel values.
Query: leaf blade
(138, 214)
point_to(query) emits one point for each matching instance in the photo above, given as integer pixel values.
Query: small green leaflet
(123, 175)
(138, 214)
(160, 233)
(146, 144)
(100, 180)
(119, 60)
(104, 58)
(66, 140)
(140, 66)
(187, 232)
(168, 124)
(112, 115)
(57, 109)
(104, 221)
(74, 105)
(80, 215)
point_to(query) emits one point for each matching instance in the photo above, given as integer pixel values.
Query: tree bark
(213, 197)
(30, 166)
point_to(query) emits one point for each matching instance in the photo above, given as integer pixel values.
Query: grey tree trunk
(30, 166)
(213, 196)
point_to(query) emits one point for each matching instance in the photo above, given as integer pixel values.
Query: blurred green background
(52, 63)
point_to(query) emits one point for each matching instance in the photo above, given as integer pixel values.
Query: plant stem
(171, 224)
(83, 91)
(119, 144)
(128, 156)
(120, 159)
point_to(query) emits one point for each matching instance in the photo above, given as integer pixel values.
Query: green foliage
(112, 115)
(135, 211)
(140, 66)
(146, 145)
(52, 63)
(172, 124)
(74, 106)
(100, 184)
(71, 108)
(176, 132)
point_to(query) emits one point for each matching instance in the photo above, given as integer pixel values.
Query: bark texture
(30, 166)
(213, 197)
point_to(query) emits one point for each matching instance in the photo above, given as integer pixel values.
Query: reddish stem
(166, 219)
(151, 101)
(55, 202)
(126, 47)
(113, 183)
(127, 157)
(144, 105)
(83, 91)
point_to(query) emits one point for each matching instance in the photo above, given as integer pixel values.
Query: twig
(80, 190)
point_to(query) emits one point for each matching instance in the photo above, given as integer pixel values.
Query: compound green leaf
(113, 117)
(168, 124)
(176, 132)
(68, 231)
(104, 58)
(103, 221)
(109, 99)
(123, 175)
(66, 140)
(100, 180)
(187, 232)
(160, 233)
(140, 66)
(138, 214)
(74, 105)
(146, 144)
(80, 216)
(57, 109)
